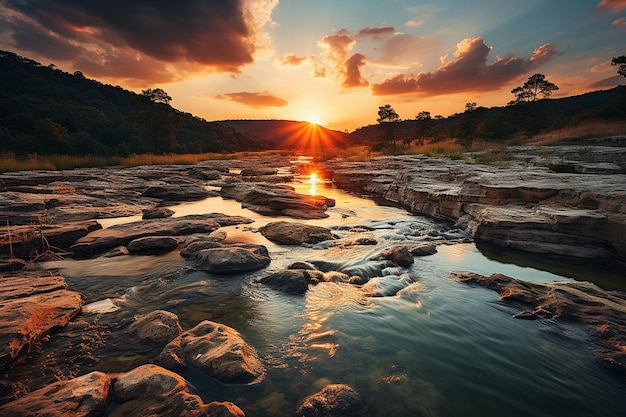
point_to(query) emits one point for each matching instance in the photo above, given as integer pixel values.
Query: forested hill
(47, 111)
(288, 134)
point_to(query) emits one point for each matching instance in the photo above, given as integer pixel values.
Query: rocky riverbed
(53, 335)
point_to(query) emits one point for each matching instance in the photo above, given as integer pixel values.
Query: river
(436, 347)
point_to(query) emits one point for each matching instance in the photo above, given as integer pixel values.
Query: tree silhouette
(157, 95)
(387, 117)
(423, 125)
(531, 90)
(620, 61)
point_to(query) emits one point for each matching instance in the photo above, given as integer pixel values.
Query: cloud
(336, 48)
(620, 22)
(258, 100)
(613, 5)
(468, 71)
(290, 60)
(196, 35)
(353, 72)
(376, 32)
(609, 82)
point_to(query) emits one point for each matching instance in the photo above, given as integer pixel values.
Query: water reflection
(313, 182)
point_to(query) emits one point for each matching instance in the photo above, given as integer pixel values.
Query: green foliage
(47, 111)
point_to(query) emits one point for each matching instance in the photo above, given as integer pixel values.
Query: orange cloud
(353, 72)
(196, 35)
(290, 60)
(258, 100)
(469, 71)
(614, 5)
(620, 22)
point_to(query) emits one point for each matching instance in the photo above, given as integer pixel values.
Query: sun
(313, 118)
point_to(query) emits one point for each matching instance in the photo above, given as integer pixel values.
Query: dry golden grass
(591, 129)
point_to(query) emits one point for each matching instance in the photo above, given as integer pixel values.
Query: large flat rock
(32, 308)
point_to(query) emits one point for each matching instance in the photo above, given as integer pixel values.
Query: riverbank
(116, 234)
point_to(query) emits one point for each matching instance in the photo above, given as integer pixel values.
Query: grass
(591, 129)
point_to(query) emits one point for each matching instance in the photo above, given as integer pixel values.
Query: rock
(119, 251)
(399, 255)
(276, 200)
(177, 192)
(253, 172)
(152, 245)
(335, 400)
(301, 265)
(150, 390)
(423, 249)
(85, 396)
(122, 234)
(157, 213)
(232, 259)
(32, 308)
(12, 264)
(26, 240)
(522, 206)
(601, 312)
(215, 350)
(295, 281)
(160, 327)
(288, 233)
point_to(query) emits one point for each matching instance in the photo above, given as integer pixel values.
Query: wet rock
(152, 390)
(177, 192)
(301, 265)
(335, 400)
(288, 233)
(119, 251)
(601, 312)
(85, 396)
(152, 245)
(157, 213)
(121, 235)
(215, 350)
(291, 281)
(28, 240)
(32, 308)
(158, 326)
(12, 264)
(253, 172)
(232, 259)
(278, 200)
(398, 254)
(423, 249)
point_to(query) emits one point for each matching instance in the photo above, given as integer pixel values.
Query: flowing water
(430, 346)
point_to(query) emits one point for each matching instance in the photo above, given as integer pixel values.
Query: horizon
(325, 63)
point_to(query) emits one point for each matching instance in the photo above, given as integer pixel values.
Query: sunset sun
(313, 118)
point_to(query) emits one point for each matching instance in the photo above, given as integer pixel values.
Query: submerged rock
(215, 350)
(85, 396)
(602, 312)
(152, 390)
(398, 254)
(288, 233)
(159, 326)
(335, 400)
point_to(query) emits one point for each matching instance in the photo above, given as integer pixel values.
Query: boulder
(217, 351)
(294, 281)
(32, 308)
(400, 255)
(85, 396)
(159, 326)
(288, 233)
(177, 192)
(335, 400)
(601, 312)
(157, 213)
(152, 245)
(151, 390)
(232, 259)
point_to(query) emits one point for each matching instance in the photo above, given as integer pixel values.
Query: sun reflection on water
(313, 181)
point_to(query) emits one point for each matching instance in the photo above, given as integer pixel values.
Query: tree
(387, 117)
(536, 86)
(157, 95)
(423, 125)
(620, 61)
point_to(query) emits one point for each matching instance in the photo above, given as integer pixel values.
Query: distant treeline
(504, 123)
(47, 111)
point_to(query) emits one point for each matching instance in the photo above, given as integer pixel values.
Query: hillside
(47, 111)
(527, 119)
(288, 134)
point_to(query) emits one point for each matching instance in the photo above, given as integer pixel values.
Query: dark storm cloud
(208, 33)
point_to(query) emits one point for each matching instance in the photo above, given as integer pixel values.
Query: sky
(333, 62)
